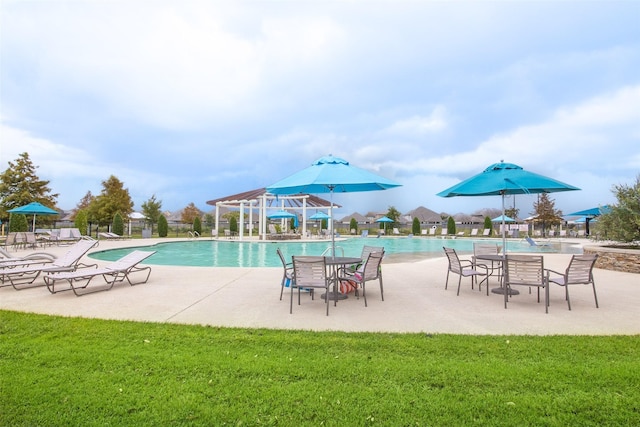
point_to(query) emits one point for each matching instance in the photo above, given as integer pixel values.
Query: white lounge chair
(26, 275)
(8, 261)
(117, 271)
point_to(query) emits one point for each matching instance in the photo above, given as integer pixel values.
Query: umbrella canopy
(503, 218)
(592, 212)
(502, 179)
(34, 208)
(319, 216)
(331, 174)
(384, 219)
(281, 214)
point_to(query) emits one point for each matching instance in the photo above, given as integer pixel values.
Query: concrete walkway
(415, 301)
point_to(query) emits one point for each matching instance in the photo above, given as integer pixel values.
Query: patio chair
(526, 270)
(26, 275)
(309, 272)
(464, 268)
(116, 271)
(370, 270)
(480, 249)
(287, 275)
(579, 272)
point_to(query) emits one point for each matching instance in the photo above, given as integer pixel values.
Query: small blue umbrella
(331, 174)
(319, 216)
(503, 218)
(591, 213)
(281, 215)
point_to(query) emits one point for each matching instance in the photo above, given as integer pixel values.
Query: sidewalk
(415, 301)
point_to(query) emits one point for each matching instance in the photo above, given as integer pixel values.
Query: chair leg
(364, 293)
(459, 281)
(281, 288)
(291, 302)
(594, 293)
(381, 289)
(567, 295)
(447, 282)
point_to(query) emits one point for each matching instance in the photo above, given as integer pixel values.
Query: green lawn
(69, 371)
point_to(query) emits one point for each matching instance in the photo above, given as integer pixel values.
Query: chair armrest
(548, 271)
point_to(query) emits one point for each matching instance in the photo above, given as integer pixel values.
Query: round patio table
(500, 260)
(334, 262)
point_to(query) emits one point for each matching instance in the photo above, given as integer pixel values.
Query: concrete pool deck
(415, 301)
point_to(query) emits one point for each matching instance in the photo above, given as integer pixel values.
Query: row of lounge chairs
(22, 273)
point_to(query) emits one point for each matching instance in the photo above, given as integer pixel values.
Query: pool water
(216, 253)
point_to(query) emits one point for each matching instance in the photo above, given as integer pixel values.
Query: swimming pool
(218, 253)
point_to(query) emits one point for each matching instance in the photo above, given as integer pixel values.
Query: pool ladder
(327, 252)
(193, 234)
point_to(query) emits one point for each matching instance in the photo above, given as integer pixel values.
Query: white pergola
(260, 202)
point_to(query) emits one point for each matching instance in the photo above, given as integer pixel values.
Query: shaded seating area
(117, 271)
(579, 272)
(21, 276)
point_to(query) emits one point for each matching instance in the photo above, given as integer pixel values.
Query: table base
(335, 296)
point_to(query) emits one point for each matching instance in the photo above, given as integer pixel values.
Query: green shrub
(81, 221)
(488, 224)
(415, 227)
(197, 225)
(117, 226)
(451, 225)
(233, 224)
(18, 223)
(353, 225)
(163, 226)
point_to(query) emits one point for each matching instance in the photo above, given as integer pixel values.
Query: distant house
(426, 216)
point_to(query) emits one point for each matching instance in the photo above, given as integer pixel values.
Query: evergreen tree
(353, 224)
(163, 226)
(415, 226)
(451, 225)
(546, 212)
(113, 198)
(118, 224)
(19, 185)
(197, 225)
(152, 210)
(233, 224)
(81, 221)
(18, 223)
(488, 225)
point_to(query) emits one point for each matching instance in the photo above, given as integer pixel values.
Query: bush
(163, 226)
(117, 226)
(197, 225)
(353, 225)
(233, 224)
(488, 224)
(415, 227)
(451, 225)
(18, 223)
(81, 222)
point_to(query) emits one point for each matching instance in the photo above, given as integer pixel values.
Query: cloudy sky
(193, 101)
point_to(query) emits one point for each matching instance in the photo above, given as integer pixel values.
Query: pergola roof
(312, 201)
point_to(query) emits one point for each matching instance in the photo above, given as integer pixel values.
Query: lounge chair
(541, 245)
(432, 232)
(444, 232)
(8, 261)
(396, 232)
(486, 232)
(110, 236)
(117, 271)
(26, 275)
(579, 272)
(365, 233)
(474, 232)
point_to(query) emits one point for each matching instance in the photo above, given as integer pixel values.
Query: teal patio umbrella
(33, 208)
(591, 213)
(501, 179)
(331, 174)
(384, 220)
(281, 215)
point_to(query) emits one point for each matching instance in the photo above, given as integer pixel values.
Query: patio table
(334, 262)
(499, 264)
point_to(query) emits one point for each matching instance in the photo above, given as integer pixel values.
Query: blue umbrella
(33, 208)
(319, 215)
(331, 174)
(591, 213)
(281, 214)
(503, 218)
(502, 179)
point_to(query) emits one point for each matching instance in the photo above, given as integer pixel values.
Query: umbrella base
(335, 296)
(501, 291)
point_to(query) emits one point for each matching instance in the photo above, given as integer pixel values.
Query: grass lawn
(84, 372)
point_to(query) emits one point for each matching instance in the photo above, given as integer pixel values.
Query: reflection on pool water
(216, 253)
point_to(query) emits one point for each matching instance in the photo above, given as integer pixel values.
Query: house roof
(312, 201)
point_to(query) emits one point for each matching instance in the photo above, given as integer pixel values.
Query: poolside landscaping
(71, 371)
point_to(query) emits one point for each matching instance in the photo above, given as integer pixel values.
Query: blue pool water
(212, 253)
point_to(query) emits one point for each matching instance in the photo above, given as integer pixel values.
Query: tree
(622, 222)
(152, 210)
(163, 226)
(19, 185)
(512, 212)
(197, 225)
(488, 224)
(233, 224)
(353, 224)
(190, 213)
(415, 227)
(451, 225)
(84, 203)
(113, 199)
(81, 221)
(118, 224)
(545, 212)
(394, 214)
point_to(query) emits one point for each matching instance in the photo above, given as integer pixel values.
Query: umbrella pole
(333, 234)
(504, 236)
